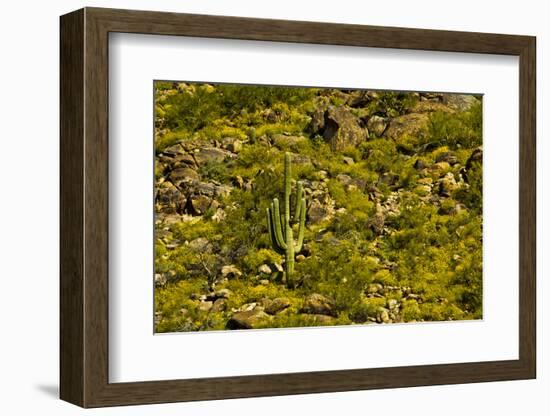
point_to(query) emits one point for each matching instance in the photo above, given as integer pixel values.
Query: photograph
(285, 206)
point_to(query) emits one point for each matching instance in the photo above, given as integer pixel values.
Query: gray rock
(179, 175)
(211, 154)
(198, 204)
(174, 150)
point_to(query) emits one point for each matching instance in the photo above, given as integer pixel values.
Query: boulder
(174, 150)
(277, 305)
(283, 141)
(247, 319)
(232, 144)
(460, 102)
(377, 125)
(207, 155)
(183, 174)
(341, 129)
(169, 199)
(412, 124)
(318, 304)
(198, 204)
(318, 212)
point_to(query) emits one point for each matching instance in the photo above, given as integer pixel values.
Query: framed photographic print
(255, 207)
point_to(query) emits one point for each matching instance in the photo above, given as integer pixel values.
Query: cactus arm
(280, 230)
(301, 227)
(289, 256)
(272, 234)
(299, 196)
(276, 221)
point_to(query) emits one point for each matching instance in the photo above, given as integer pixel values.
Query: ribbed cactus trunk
(280, 229)
(289, 253)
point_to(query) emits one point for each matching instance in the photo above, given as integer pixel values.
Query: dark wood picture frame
(84, 207)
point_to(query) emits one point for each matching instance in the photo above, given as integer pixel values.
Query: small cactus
(280, 227)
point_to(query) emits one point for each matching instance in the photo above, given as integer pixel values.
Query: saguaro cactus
(280, 227)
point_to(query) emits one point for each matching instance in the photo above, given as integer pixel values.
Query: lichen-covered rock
(247, 319)
(318, 304)
(283, 141)
(211, 154)
(318, 212)
(412, 124)
(461, 102)
(341, 128)
(179, 175)
(277, 305)
(447, 185)
(377, 125)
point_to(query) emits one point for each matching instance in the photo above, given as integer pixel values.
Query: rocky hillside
(392, 183)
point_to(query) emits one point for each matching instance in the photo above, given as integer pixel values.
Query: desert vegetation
(389, 186)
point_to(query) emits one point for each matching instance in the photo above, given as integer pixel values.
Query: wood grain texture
(84, 207)
(71, 99)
